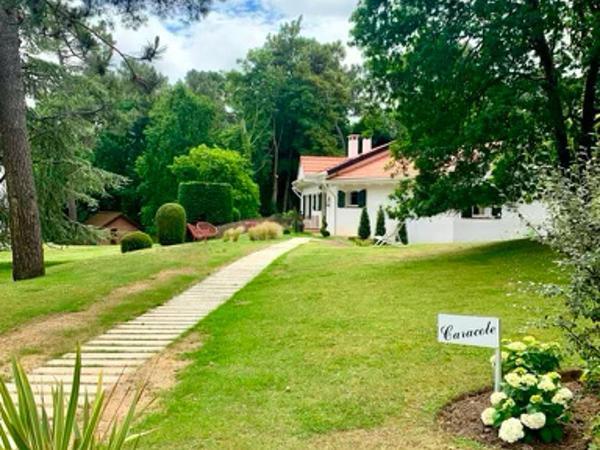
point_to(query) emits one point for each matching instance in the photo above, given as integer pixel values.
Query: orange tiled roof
(316, 164)
(377, 165)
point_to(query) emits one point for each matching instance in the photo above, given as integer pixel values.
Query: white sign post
(473, 330)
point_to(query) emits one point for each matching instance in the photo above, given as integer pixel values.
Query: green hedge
(170, 224)
(207, 202)
(136, 240)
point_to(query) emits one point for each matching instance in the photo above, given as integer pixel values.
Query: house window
(309, 206)
(482, 212)
(352, 199)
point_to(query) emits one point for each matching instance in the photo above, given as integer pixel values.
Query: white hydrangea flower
(534, 421)
(563, 396)
(497, 397)
(529, 379)
(546, 384)
(511, 430)
(513, 379)
(516, 346)
(487, 416)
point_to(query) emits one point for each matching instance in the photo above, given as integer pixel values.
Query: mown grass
(80, 277)
(335, 347)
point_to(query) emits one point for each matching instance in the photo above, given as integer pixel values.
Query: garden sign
(473, 330)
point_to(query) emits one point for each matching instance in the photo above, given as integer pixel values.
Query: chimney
(367, 145)
(353, 141)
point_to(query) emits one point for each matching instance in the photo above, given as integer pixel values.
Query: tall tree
(63, 127)
(485, 90)
(179, 120)
(28, 28)
(293, 95)
(217, 165)
(122, 139)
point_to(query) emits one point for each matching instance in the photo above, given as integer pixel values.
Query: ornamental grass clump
(532, 404)
(233, 234)
(265, 231)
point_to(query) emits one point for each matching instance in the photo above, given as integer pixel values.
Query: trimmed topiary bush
(170, 224)
(137, 240)
(207, 202)
(324, 231)
(364, 228)
(380, 225)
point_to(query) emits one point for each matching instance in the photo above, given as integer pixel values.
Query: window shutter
(320, 207)
(362, 198)
(341, 199)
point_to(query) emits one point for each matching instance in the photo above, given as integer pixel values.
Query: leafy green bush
(532, 404)
(265, 231)
(170, 224)
(294, 218)
(364, 228)
(61, 427)
(217, 165)
(380, 224)
(207, 202)
(535, 356)
(137, 240)
(324, 231)
(572, 230)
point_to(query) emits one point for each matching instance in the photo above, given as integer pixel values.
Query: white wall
(345, 221)
(453, 228)
(449, 227)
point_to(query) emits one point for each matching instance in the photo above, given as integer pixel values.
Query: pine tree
(380, 226)
(364, 229)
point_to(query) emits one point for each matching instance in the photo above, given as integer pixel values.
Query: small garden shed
(115, 222)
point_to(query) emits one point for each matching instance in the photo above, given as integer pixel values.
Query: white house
(339, 187)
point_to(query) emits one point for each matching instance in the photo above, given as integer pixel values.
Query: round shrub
(136, 240)
(170, 224)
(208, 202)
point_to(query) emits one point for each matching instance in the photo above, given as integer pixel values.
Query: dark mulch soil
(462, 417)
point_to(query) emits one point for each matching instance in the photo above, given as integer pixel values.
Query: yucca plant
(27, 426)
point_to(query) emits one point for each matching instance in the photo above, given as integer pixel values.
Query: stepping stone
(125, 343)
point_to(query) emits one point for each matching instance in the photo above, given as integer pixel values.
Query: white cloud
(226, 34)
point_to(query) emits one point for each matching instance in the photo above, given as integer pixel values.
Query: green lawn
(82, 277)
(335, 347)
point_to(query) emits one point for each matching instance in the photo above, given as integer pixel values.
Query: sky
(233, 27)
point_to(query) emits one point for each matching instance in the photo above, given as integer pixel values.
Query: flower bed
(533, 406)
(462, 417)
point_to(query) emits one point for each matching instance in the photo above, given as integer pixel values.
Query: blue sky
(234, 27)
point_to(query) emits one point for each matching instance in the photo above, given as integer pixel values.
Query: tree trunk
(72, 208)
(275, 193)
(586, 139)
(24, 220)
(286, 192)
(551, 86)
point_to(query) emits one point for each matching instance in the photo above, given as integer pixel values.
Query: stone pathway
(129, 345)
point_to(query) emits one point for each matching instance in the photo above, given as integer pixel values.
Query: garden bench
(202, 230)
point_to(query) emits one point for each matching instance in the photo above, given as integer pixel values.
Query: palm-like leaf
(24, 425)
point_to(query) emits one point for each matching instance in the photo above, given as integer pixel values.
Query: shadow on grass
(6, 267)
